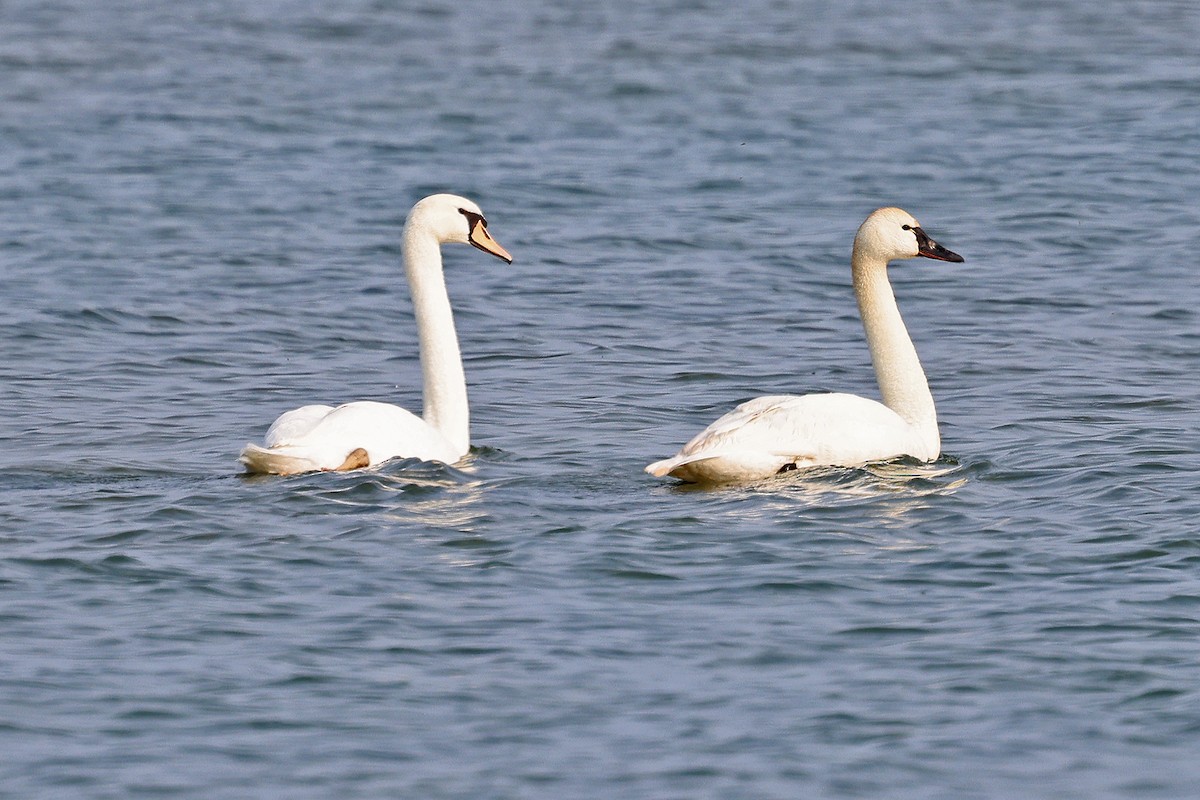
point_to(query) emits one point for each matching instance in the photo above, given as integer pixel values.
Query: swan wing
(743, 417)
(384, 430)
(319, 437)
(764, 435)
(295, 424)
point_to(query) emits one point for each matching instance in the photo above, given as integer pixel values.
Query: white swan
(768, 435)
(366, 433)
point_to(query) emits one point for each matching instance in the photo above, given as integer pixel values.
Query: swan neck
(902, 382)
(445, 385)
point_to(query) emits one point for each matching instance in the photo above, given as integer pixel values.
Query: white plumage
(770, 434)
(365, 433)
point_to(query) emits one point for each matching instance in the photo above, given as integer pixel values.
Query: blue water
(200, 209)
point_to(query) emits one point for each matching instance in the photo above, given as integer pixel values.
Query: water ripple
(202, 207)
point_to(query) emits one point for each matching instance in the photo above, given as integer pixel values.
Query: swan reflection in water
(890, 492)
(412, 491)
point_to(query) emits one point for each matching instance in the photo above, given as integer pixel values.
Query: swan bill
(928, 248)
(479, 237)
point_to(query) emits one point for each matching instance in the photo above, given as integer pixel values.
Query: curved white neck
(902, 382)
(445, 392)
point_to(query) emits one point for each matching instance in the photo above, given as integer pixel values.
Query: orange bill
(480, 237)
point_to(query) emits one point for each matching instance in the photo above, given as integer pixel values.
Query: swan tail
(725, 466)
(661, 469)
(668, 466)
(273, 461)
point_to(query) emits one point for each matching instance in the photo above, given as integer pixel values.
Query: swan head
(892, 233)
(450, 218)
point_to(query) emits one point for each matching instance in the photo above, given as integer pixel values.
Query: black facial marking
(473, 218)
(923, 240)
(786, 468)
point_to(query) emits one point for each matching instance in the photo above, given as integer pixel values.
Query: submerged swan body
(365, 433)
(768, 435)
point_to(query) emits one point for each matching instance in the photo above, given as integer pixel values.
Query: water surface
(200, 207)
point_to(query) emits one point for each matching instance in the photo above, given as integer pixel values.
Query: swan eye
(906, 227)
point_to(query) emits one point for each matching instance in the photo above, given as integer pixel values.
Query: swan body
(366, 433)
(773, 434)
